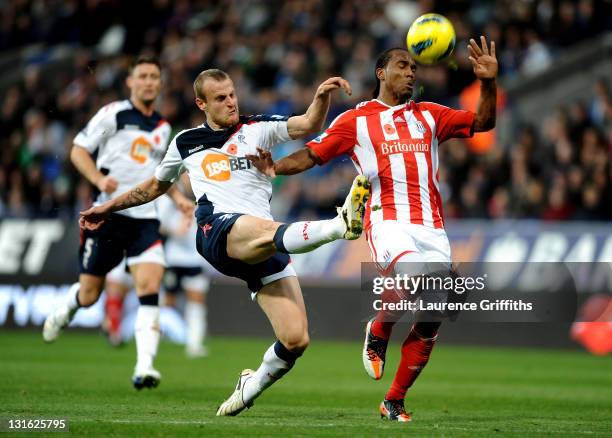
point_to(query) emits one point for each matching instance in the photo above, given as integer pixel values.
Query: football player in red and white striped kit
(394, 142)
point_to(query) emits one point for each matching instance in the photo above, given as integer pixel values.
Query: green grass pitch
(464, 391)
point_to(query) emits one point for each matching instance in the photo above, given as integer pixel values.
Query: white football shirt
(129, 145)
(222, 178)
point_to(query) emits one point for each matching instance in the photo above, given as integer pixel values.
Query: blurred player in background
(236, 232)
(130, 139)
(117, 285)
(184, 273)
(394, 142)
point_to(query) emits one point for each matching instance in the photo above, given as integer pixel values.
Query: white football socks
(71, 297)
(271, 369)
(195, 317)
(147, 335)
(300, 237)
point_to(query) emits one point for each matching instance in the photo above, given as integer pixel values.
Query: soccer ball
(430, 39)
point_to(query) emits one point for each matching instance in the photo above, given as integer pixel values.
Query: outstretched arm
(145, 192)
(484, 64)
(297, 162)
(312, 120)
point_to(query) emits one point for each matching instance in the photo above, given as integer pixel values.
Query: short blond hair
(211, 73)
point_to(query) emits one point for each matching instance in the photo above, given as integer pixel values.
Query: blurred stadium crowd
(277, 52)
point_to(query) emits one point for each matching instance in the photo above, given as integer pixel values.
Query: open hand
(483, 60)
(332, 84)
(263, 162)
(94, 217)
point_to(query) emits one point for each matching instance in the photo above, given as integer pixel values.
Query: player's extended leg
(147, 280)
(283, 304)
(253, 240)
(82, 294)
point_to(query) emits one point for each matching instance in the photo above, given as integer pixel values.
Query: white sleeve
(273, 133)
(171, 166)
(101, 126)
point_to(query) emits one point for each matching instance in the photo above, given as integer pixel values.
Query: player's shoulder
(257, 118)
(107, 114)
(428, 106)
(129, 117)
(112, 108)
(191, 136)
(368, 107)
(345, 117)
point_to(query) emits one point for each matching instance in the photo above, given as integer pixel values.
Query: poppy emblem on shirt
(232, 149)
(389, 129)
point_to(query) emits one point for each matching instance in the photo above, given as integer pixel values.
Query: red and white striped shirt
(396, 148)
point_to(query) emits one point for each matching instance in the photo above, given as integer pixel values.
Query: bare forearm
(486, 112)
(174, 193)
(85, 164)
(317, 112)
(297, 162)
(312, 120)
(141, 194)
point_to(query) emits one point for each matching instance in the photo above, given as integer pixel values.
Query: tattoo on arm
(135, 197)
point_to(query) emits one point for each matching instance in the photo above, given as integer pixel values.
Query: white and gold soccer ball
(431, 39)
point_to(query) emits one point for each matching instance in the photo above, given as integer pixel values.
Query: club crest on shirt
(319, 139)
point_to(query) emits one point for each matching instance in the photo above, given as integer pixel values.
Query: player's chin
(149, 97)
(232, 119)
(405, 95)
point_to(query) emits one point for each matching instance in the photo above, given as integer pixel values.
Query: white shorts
(390, 240)
(153, 254)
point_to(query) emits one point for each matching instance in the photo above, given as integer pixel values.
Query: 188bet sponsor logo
(219, 167)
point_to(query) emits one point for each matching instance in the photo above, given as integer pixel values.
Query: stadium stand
(555, 167)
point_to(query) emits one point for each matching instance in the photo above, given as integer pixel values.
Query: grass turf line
(464, 391)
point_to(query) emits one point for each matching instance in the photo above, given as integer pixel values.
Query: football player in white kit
(130, 138)
(236, 232)
(184, 273)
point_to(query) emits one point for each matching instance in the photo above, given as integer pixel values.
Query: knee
(296, 342)
(147, 286)
(88, 295)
